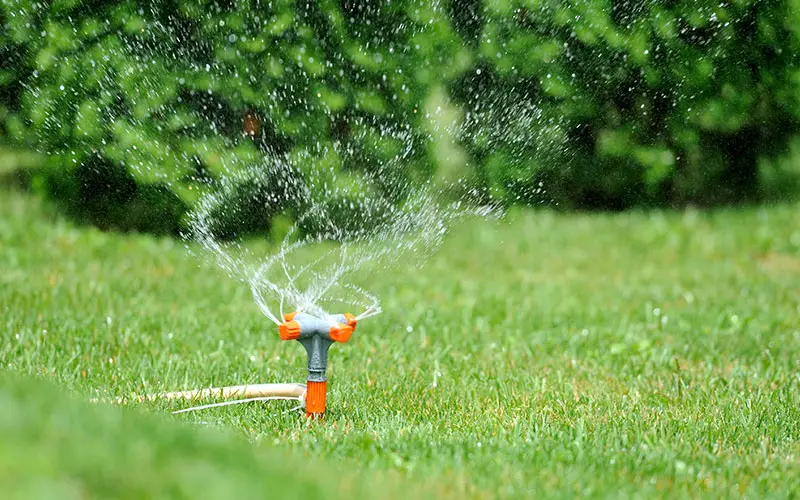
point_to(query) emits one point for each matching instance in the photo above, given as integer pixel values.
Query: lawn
(639, 354)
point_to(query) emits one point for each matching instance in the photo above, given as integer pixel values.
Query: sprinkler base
(316, 393)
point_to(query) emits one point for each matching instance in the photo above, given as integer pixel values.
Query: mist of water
(311, 269)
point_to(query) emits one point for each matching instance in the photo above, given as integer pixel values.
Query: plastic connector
(289, 330)
(316, 393)
(352, 322)
(340, 333)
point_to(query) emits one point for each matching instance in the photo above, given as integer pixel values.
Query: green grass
(53, 447)
(641, 354)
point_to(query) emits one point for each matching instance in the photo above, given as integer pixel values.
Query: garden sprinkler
(317, 335)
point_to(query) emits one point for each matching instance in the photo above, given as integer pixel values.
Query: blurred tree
(591, 104)
(653, 102)
(179, 94)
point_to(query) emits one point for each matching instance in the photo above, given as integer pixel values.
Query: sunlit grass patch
(646, 353)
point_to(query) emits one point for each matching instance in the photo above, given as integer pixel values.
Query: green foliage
(104, 194)
(661, 102)
(183, 93)
(590, 104)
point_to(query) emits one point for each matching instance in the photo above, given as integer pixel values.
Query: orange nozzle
(316, 392)
(340, 332)
(290, 330)
(351, 320)
(289, 316)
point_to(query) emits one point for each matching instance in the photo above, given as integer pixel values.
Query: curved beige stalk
(232, 392)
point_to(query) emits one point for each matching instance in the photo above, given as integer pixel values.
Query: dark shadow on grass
(103, 195)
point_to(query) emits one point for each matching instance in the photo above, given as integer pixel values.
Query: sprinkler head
(317, 335)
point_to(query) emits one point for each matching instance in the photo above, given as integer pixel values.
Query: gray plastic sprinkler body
(317, 335)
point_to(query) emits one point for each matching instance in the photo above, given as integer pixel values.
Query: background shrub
(600, 104)
(179, 94)
(661, 102)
